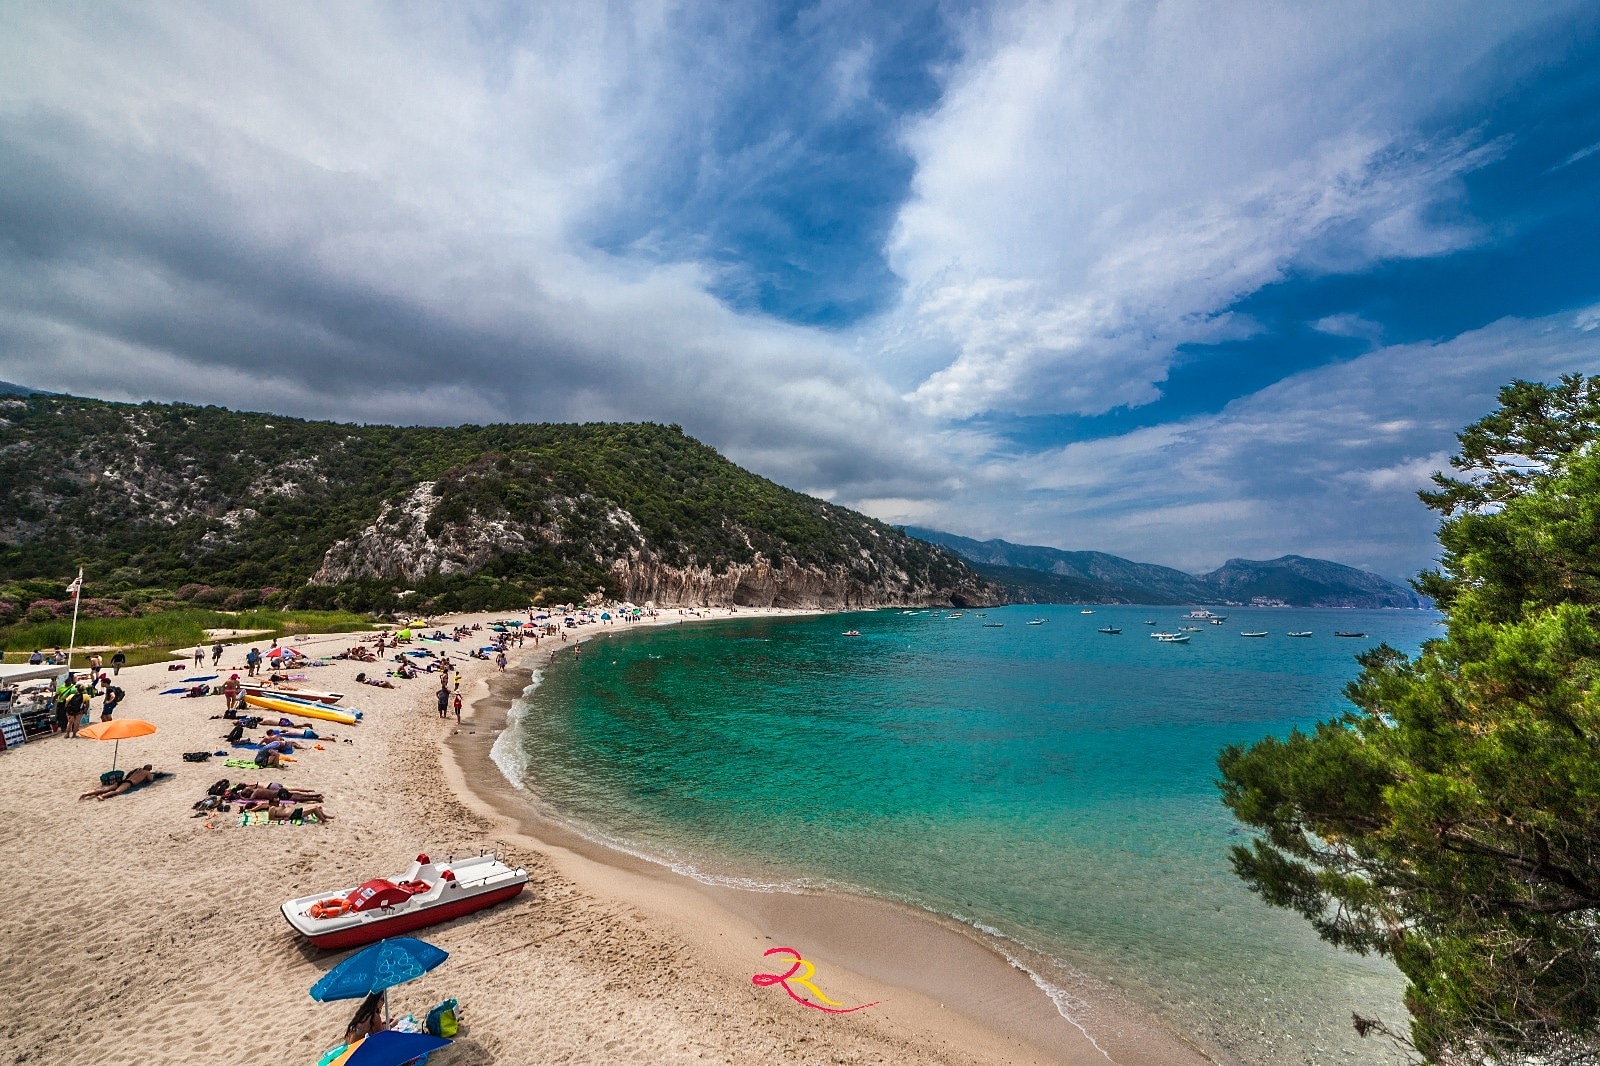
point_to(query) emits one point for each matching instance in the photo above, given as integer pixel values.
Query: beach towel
(158, 777)
(243, 764)
(260, 818)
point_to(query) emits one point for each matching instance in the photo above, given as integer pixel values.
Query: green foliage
(226, 508)
(1451, 821)
(173, 628)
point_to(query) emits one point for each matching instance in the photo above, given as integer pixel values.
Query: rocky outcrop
(399, 547)
(762, 584)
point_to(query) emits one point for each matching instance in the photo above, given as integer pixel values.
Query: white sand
(135, 933)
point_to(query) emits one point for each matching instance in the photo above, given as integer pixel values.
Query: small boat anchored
(852, 632)
(1301, 633)
(1255, 633)
(1113, 630)
(426, 894)
(994, 625)
(1038, 621)
(1171, 638)
(1086, 611)
(1342, 633)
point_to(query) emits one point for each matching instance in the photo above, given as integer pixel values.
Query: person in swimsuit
(142, 776)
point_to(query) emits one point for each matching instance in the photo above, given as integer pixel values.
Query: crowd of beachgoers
(136, 906)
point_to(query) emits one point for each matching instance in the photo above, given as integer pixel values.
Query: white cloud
(1326, 462)
(1102, 180)
(371, 212)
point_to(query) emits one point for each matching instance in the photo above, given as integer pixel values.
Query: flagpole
(77, 594)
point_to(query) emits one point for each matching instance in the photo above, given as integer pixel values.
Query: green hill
(206, 506)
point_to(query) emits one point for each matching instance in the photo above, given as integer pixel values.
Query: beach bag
(196, 756)
(111, 777)
(444, 1021)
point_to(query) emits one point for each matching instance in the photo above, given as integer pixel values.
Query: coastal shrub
(42, 610)
(1451, 819)
(575, 495)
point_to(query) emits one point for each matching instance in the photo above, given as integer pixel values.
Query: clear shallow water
(1050, 783)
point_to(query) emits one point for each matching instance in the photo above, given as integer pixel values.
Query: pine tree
(1451, 819)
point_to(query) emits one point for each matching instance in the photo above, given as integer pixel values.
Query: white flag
(77, 584)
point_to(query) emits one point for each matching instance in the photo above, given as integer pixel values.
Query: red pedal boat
(426, 894)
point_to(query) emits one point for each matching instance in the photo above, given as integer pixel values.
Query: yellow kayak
(301, 710)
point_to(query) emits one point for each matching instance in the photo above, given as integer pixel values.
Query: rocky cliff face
(424, 536)
(762, 584)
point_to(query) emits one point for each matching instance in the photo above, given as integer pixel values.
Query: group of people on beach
(73, 699)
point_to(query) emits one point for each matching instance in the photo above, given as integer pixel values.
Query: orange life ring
(329, 908)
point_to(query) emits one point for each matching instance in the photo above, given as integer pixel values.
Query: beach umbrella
(388, 1047)
(118, 731)
(383, 965)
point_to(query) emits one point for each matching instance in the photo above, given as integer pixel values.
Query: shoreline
(966, 990)
(157, 930)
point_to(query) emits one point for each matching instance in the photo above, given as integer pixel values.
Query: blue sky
(1179, 280)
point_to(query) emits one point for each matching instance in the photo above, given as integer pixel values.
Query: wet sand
(135, 932)
(931, 975)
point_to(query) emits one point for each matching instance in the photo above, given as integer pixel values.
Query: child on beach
(458, 708)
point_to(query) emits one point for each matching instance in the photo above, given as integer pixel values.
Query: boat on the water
(1038, 621)
(1249, 633)
(1201, 612)
(1341, 633)
(852, 632)
(1113, 630)
(1218, 621)
(994, 625)
(1188, 629)
(1149, 622)
(302, 709)
(1171, 638)
(1302, 633)
(1086, 611)
(426, 894)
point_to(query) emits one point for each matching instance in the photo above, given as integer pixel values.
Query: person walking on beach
(119, 659)
(444, 702)
(457, 703)
(94, 665)
(216, 654)
(199, 656)
(114, 696)
(500, 659)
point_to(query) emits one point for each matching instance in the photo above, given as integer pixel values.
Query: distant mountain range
(1037, 574)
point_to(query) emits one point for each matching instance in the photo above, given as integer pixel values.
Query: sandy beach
(139, 933)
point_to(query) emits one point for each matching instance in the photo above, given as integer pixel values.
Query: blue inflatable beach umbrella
(385, 964)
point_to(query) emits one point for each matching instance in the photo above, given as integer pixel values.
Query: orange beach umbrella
(120, 730)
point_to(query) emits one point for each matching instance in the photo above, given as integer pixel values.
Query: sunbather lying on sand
(286, 811)
(274, 793)
(142, 776)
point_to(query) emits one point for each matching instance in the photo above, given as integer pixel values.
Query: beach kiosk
(19, 724)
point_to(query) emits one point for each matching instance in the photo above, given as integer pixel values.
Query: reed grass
(162, 632)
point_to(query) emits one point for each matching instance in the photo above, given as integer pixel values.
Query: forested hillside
(210, 506)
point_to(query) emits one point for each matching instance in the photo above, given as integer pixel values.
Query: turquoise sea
(1048, 783)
